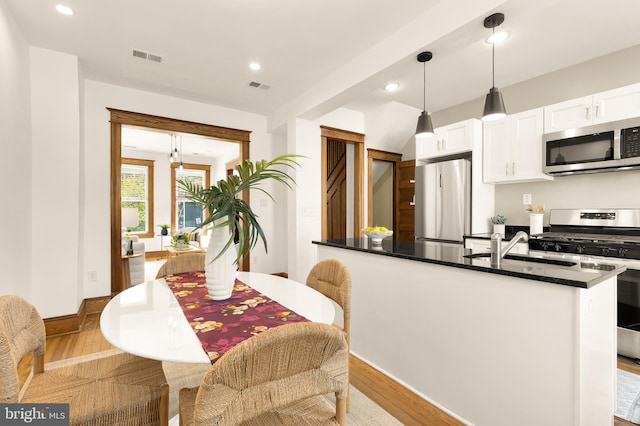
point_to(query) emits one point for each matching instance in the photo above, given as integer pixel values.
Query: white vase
(220, 273)
(498, 228)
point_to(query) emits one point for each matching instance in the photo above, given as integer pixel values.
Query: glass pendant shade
(494, 106)
(425, 126)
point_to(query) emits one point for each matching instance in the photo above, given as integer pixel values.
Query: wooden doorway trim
(395, 159)
(119, 118)
(357, 140)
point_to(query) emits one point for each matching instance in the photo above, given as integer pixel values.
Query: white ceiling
(208, 44)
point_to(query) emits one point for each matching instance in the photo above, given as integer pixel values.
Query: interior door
(336, 190)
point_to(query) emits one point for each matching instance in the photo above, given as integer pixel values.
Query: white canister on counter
(535, 223)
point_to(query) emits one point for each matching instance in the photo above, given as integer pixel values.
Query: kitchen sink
(523, 258)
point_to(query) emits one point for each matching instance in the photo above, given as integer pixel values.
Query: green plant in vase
(179, 240)
(224, 204)
(498, 219)
(499, 224)
(164, 229)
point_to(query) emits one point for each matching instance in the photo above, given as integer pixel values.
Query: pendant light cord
(493, 57)
(424, 86)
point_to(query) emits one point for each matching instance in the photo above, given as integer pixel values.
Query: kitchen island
(526, 344)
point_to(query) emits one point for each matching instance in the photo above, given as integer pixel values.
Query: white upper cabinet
(612, 105)
(512, 149)
(452, 139)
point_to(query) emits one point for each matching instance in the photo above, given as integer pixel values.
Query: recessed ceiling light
(65, 10)
(498, 37)
(391, 87)
(254, 66)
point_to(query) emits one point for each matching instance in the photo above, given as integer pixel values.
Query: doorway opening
(342, 149)
(118, 119)
(383, 188)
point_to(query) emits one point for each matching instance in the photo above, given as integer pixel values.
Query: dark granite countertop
(451, 254)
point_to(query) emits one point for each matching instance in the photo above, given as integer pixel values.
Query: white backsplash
(599, 190)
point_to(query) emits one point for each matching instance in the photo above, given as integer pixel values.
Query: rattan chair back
(331, 278)
(21, 332)
(182, 263)
(276, 377)
(114, 390)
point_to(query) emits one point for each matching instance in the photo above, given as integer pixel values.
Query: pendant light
(171, 156)
(181, 166)
(173, 149)
(493, 104)
(425, 127)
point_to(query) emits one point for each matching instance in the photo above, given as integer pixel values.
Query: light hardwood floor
(407, 407)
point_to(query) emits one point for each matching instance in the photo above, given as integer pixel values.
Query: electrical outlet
(92, 276)
(307, 212)
(526, 199)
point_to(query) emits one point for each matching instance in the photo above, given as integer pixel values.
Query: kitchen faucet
(497, 252)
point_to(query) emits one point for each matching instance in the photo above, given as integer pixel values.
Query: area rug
(628, 396)
(362, 411)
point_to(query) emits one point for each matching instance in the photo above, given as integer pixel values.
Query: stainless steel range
(602, 237)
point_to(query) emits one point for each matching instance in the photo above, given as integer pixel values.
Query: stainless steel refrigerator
(443, 200)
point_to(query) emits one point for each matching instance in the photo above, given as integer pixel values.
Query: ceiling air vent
(154, 58)
(258, 85)
(145, 55)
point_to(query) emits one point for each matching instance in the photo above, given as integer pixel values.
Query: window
(137, 191)
(185, 213)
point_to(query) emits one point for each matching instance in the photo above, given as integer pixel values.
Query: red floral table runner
(222, 324)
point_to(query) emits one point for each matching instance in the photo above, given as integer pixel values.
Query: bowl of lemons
(377, 233)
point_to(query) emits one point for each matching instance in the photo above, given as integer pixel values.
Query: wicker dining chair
(182, 263)
(278, 377)
(331, 278)
(120, 389)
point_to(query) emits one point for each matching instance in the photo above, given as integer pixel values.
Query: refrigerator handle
(440, 180)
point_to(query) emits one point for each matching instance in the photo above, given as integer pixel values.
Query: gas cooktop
(586, 237)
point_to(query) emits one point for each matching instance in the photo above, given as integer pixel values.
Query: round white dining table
(146, 319)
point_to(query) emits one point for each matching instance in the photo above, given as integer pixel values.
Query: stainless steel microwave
(598, 148)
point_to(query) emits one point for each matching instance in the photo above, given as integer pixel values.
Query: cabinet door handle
(587, 117)
(513, 168)
(444, 144)
(412, 181)
(438, 145)
(506, 169)
(597, 105)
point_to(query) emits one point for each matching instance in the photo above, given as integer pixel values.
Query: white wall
(55, 192)
(392, 127)
(303, 137)
(99, 96)
(602, 190)
(15, 144)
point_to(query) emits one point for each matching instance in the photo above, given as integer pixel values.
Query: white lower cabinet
(513, 148)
